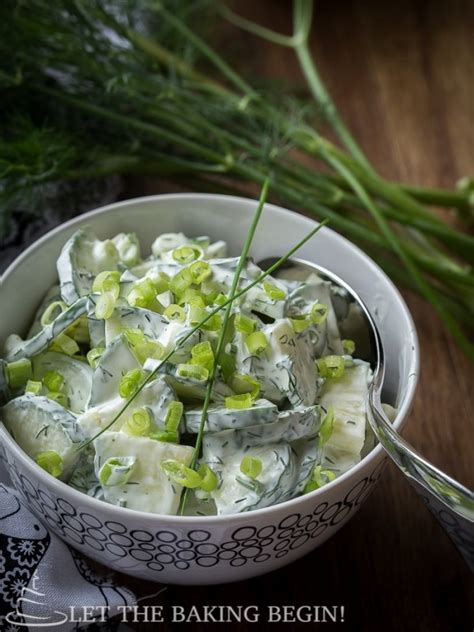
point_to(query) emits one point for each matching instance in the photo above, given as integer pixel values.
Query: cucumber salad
(107, 390)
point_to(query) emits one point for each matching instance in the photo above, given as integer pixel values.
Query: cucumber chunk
(300, 301)
(285, 369)
(236, 492)
(347, 395)
(148, 488)
(39, 424)
(81, 259)
(77, 377)
(125, 317)
(41, 341)
(290, 426)
(156, 396)
(116, 360)
(288, 448)
(221, 418)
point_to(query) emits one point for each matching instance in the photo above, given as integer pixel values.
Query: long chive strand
(222, 333)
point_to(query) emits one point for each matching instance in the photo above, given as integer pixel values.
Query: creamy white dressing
(279, 425)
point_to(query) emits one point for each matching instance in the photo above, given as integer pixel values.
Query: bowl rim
(61, 486)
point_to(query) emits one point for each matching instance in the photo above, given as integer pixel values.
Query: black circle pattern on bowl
(164, 548)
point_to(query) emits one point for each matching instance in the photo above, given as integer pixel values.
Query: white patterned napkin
(45, 585)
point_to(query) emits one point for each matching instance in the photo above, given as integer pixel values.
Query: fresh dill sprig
(122, 87)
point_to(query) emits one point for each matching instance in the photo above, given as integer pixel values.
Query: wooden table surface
(401, 74)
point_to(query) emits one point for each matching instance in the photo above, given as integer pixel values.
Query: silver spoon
(449, 501)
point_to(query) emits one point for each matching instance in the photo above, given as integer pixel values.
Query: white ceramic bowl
(207, 550)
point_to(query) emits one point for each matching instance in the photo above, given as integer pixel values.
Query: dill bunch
(92, 89)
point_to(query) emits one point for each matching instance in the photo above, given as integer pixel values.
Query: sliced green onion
(181, 281)
(146, 288)
(329, 474)
(186, 254)
(193, 371)
(142, 346)
(180, 473)
(208, 478)
(210, 297)
(143, 294)
(33, 387)
(64, 344)
(116, 470)
(244, 324)
(130, 383)
(107, 281)
(173, 416)
(196, 298)
(202, 348)
(220, 299)
(175, 313)
(348, 346)
(274, 292)
(167, 436)
(256, 342)
(196, 314)
(331, 367)
(149, 349)
(213, 324)
(105, 306)
(59, 397)
(319, 478)
(51, 462)
(203, 355)
(161, 282)
(135, 336)
(241, 383)
(300, 324)
(327, 426)
(318, 313)
(52, 312)
(136, 299)
(244, 400)
(53, 380)
(200, 271)
(251, 466)
(210, 290)
(192, 295)
(139, 424)
(18, 372)
(93, 356)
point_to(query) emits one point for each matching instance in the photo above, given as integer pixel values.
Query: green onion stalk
(125, 87)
